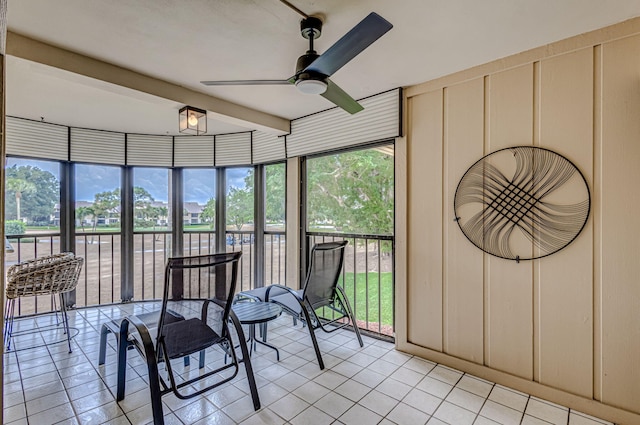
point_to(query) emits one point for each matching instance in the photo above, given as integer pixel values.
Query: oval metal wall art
(522, 203)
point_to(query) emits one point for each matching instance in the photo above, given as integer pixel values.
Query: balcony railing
(100, 280)
(367, 276)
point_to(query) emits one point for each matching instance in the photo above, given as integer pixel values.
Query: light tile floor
(369, 385)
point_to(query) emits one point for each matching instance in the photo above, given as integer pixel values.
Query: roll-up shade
(193, 151)
(335, 128)
(154, 151)
(37, 139)
(233, 149)
(267, 147)
(100, 147)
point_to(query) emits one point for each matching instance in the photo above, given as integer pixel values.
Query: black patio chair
(200, 289)
(321, 303)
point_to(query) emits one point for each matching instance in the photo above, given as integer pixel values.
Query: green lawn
(370, 291)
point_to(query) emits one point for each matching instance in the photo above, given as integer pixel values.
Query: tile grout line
(525, 408)
(493, 385)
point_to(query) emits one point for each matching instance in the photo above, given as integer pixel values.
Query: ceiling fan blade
(338, 96)
(351, 44)
(245, 82)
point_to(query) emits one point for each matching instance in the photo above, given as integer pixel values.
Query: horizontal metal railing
(367, 278)
(100, 279)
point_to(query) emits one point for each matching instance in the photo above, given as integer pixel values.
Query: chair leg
(65, 320)
(347, 305)
(154, 388)
(246, 360)
(201, 363)
(312, 333)
(353, 322)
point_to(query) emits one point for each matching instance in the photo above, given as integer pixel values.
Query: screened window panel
(37, 139)
(233, 149)
(155, 151)
(335, 128)
(96, 146)
(267, 147)
(193, 151)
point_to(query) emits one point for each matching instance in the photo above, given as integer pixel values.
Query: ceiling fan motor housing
(305, 60)
(311, 25)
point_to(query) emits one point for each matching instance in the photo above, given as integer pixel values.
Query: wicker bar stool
(50, 275)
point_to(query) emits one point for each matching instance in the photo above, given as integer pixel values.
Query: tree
(36, 205)
(352, 191)
(82, 213)
(275, 204)
(239, 206)
(105, 205)
(20, 186)
(208, 214)
(145, 214)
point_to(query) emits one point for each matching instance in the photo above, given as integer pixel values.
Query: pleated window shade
(267, 147)
(335, 128)
(233, 149)
(156, 151)
(96, 146)
(193, 151)
(37, 139)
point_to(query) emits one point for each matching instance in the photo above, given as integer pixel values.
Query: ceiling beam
(36, 51)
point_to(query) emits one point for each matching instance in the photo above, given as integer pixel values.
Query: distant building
(192, 213)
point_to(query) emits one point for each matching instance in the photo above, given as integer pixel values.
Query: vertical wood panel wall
(564, 327)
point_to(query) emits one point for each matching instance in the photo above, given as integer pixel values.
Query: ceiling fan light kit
(313, 70)
(311, 86)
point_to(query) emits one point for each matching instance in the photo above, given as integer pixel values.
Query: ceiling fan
(313, 70)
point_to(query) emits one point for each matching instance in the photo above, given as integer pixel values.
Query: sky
(199, 184)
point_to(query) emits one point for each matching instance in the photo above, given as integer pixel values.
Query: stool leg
(65, 319)
(8, 322)
(104, 331)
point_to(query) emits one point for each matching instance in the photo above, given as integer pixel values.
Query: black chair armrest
(144, 335)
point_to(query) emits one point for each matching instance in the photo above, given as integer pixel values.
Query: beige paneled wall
(462, 139)
(564, 281)
(508, 285)
(620, 226)
(565, 327)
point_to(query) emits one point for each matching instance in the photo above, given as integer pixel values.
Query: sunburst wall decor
(522, 203)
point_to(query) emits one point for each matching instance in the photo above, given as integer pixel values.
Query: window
(351, 192)
(97, 222)
(97, 198)
(32, 208)
(239, 212)
(151, 227)
(350, 195)
(150, 200)
(199, 205)
(32, 195)
(199, 199)
(275, 248)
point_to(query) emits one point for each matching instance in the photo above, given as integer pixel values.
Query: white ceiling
(186, 41)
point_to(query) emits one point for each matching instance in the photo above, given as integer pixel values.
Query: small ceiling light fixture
(193, 120)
